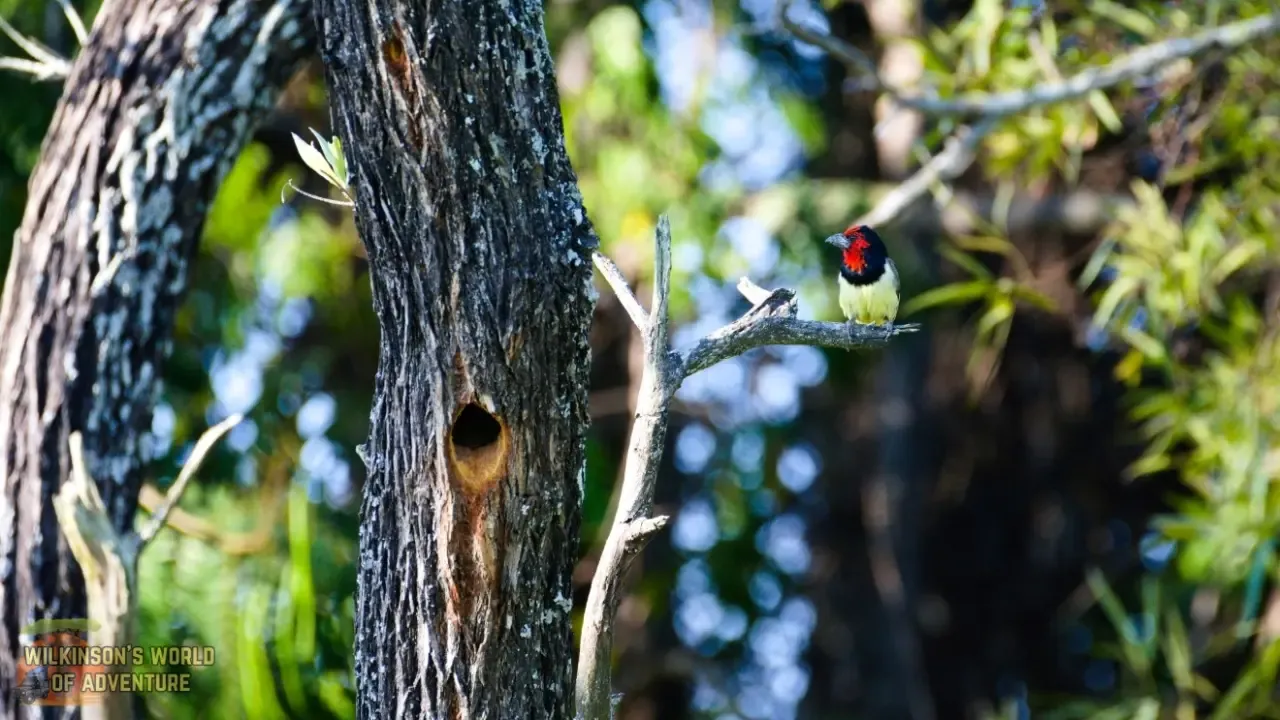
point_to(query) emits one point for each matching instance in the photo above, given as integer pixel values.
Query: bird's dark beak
(839, 240)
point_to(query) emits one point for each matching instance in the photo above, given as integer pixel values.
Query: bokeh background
(1056, 501)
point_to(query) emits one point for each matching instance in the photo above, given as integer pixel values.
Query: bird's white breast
(872, 304)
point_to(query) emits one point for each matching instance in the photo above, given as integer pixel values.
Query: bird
(870, 289)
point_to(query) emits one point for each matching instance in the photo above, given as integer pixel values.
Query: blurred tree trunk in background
(981, 515)
(157, 106)
(480, 259)
(872, 663)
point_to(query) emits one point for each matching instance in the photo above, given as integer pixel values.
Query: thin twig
(955, 158)
(1139, 63)
(198, 453)
(48, 64)
(34, 48)
(39, 71)
(108, 558)
(348, 204)
(863, 67)
(613, 275)
(73, 19)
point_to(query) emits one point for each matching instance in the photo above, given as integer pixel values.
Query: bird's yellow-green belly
(874, 304)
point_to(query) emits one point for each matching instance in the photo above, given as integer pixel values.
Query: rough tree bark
(157, 106)
(480, 259)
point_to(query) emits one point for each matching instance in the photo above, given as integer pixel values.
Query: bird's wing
(897, 279)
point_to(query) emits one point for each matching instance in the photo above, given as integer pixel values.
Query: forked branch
(109, 559)
(771, 321)
(45, 64)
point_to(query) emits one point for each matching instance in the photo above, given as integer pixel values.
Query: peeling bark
(479, 254)
(158, 104)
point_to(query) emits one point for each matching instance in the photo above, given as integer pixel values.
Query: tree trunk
(479, 253)
(157, 106)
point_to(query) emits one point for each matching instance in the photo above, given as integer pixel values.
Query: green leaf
(1152, 349)
(1234, 259)
(1151, 614)
(1026, 294)
(339, 161)
(1178, 528)
(313, 159)
(986, 243)
(999, 312)
(1149, 465)
(1148, 709)
(1131, 645)
(988, 16)
(1127, 369)
(1158, 404)
(1253, 587)
(1132, 20)
(1106, 114)
(1177, 651)
(324, 147)
(1049, 34)
(1111, 299)
(1096, 262)
(965, 260)
(1232, 702)
(953, 294)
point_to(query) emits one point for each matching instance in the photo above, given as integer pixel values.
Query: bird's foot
(881, 331)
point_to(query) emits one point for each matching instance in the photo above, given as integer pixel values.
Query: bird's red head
(855, 256)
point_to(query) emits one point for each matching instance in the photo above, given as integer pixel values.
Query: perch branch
(770, 321)
(1130, 66)
(764, 325)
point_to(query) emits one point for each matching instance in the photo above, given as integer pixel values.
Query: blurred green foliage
(271, 584)
(1167, 274)
(271, 590)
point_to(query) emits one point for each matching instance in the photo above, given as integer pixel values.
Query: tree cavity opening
(477, 447)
